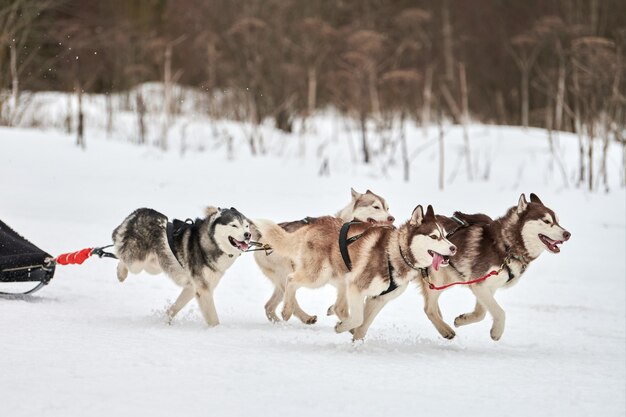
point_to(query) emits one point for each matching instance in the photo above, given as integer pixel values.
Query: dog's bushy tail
(268, 232)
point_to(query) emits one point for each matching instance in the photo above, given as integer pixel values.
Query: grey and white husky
(365, 207)
(507, 245)
(194, 255)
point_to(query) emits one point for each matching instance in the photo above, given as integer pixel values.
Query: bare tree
(169, 80)
(524, 49)
(399, 87)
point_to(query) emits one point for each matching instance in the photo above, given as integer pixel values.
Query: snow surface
(87, 345)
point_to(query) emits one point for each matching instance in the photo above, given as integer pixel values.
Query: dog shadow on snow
(321, 338)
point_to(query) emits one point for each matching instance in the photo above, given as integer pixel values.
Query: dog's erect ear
(418, 216)
(535, 199)
(355, 194)
(430, 212)
(210, 210)
(521, 204)
(256, 233)
(369, 192)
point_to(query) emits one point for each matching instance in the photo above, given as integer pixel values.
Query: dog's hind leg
(356, 305)
(185, 296)
(474, 317)
(301, 314)
(373, 305)
(277, 297)
(485, 297)
(207, 306)
(122, 271)
(272, 303)
(431, 308)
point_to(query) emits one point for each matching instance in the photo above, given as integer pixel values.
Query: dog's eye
(376, 208)
(546, 221)
(433, 237)
(233, 225)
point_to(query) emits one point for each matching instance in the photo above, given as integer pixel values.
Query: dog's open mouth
(438, 259)
(241, 245)
(552, 245)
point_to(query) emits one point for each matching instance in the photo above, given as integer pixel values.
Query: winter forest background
(559, 65)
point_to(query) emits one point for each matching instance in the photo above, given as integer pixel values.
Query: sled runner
(21, 261)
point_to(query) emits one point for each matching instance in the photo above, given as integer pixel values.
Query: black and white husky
(506, 245)
(193, 254)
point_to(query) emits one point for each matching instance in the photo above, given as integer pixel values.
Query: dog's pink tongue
(437, 260)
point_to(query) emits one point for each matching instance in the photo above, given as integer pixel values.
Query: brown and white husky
(507, 245)
(366, 207)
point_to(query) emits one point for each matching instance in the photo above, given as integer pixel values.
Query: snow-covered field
(87, 345)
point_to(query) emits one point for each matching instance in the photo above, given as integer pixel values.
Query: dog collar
(423, 271)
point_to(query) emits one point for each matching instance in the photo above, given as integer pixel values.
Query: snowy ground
(88, 345)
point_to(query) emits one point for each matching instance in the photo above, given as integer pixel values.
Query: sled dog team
(358, 251)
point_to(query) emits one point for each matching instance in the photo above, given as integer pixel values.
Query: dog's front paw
(447, 333)
(496, 332)
(310, 320)
(331, 311)
(357, 334)
(460, 320)
(343, 326)
(271, 316)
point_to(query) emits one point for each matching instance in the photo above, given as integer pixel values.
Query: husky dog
(383, 260)
(195, 255)
(506, 245)
(366, 207)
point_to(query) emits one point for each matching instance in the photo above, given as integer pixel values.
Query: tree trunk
(406, 164)
(441, 153)
(465, 120)
(312, 90)
(501, 108)
(80, 119)
(364, 146)
(373, 93)
(446, 31)
(211, 75)
(524, 95)
(560, 96)
(109, 107)
(428, 98)
(624, 161)
(68, 115)
(141, 113)
(167, 96)
(590, 128)
(579, 129)
(548, 124)
(604, 124)
(14, 83)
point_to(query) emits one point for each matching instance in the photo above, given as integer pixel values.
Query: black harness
(344, 242)
(174, 229)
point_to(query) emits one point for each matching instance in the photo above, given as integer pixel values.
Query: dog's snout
(391, 219)
(452, 250)
(247, 235)
(566, 235)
